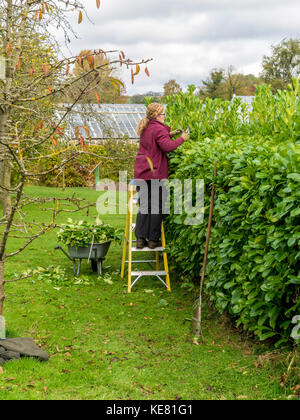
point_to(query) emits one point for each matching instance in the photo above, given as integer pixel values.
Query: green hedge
(252, 270)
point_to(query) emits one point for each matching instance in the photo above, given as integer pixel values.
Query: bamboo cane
(197, 318)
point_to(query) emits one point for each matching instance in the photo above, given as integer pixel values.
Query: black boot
(141, 243)
(154, 244)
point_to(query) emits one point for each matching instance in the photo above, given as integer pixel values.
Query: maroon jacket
(155, 144)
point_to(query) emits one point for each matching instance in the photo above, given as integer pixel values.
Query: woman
(151, 163)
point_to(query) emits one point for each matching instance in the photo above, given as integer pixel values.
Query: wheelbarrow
(93, 252)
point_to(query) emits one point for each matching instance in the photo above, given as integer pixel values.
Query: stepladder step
(149, 273)
(146, 249)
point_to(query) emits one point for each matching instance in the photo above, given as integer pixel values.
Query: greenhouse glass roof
(108, 121)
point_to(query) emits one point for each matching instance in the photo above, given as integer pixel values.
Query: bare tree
(32, 84)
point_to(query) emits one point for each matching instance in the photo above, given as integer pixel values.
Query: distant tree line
(278, 69)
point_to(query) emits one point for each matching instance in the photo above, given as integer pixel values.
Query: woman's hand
(185, 136)
(176, 132)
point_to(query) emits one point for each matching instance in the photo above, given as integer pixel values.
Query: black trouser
(149, 217)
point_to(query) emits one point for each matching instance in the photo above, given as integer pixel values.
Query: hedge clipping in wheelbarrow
(87, 241)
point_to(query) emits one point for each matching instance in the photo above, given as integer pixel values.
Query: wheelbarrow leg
(99, 266)
(74, 267)
(78, 268)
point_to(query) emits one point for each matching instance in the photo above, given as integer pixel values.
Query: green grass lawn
(107, 344)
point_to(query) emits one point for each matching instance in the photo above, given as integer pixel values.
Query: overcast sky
(187, 38)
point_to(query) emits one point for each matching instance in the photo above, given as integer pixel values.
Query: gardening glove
(185, 136)
(175, 132)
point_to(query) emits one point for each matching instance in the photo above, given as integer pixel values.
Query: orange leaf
(123, 55)
(45, 68)
(49, 89)
(40, 14)
(150, 163)
(132, 77)
(54, 140)
(39, 125)
(98, 3)
(80, 17)
(87, 130)
(18, 66)
(98, 99)
(147, 71)
(81, 141)
(31, 71)
(9, 49)
(59, 131)
(91, 60)
(137, 70)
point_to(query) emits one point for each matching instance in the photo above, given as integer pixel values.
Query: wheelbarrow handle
(59, 247)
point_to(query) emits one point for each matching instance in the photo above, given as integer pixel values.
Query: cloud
(186, 38)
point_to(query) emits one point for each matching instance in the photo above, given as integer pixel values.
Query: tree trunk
(5, 168)
(2, 282)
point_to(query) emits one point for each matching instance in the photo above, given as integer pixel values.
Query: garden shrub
(113, 156)
(252, 270)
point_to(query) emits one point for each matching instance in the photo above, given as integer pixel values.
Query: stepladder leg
(165, 258)
(157, 260)
(126, 236)
(130, 218)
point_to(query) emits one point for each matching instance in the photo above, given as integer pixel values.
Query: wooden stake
(197, 318)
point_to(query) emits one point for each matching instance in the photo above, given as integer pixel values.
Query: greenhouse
(114, 121)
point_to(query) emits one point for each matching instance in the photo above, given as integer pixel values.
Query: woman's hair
(153, 110)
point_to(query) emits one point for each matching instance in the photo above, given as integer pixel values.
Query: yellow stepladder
(128, 243)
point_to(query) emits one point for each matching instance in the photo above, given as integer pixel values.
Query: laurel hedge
(252, 270)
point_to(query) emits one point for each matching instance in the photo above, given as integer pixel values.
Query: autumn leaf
(45, 69)
(80, 17)
(147, 71)
(98, 3)
(137, 70)
(81, 141)
(79, 60)
(54, 140)
(18, 66)
(40, 14)
(9, 50)
(31, 71)
(150, 163)
(123, 55)
(67, 68)
(132, 77)
(91, 60)
(59, 131)
(87, 130)
(98, 99)
(39, 125)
